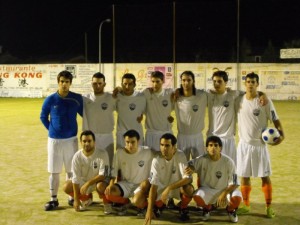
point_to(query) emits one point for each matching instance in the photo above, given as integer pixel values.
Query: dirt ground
(24, 177)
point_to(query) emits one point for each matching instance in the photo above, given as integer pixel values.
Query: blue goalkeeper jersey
(59, 115)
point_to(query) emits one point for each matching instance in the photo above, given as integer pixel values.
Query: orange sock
(117, 199)
(246, 194)
(267, 190)
(104, 199)
(159, 203)
(234, 203)
(200, 202)
(185, 200)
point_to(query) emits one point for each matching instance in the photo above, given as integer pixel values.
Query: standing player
(218, 180)
(130, 107)
(253, 158)
(168, 180)
(98, 115)
(190, 110)
(59, 112)
(134, 162)
(158, 111)
(90, 169)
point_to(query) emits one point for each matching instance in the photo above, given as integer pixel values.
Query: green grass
(24, 177)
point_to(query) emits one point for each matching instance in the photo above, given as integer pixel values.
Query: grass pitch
(24, 177)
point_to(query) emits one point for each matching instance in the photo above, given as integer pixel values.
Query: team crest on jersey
(174, 169)
(104, 106)
(132, 106)
(226, 103)
(256, 112)
(164, 103)
(195, 108)
(141, 163)
(218, 174)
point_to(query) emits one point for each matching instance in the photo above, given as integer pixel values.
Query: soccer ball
(270, 135)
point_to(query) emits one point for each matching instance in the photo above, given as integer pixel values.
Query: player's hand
(84, 188)
(279, 140)
(108, 189)
(170, 119)
(116, 91)
(139, 119)
(175, 95)
(148, 217)
(263, 100)
(222, 200)
(151, 90)
(189, 170)
(165, 195)
(76, 205)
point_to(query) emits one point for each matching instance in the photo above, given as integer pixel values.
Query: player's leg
(186, 195)
(202, 197)
(140, 198)
(267, 190)
(234, 200)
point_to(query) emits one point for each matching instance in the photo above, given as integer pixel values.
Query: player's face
(157, 84)
(214, 150)
(128, 86)
(251, 84)
(63, 85)
(131, 144)
(219, 84)
(187, 82)
(167, 149)
(87, 143)
(98, 85)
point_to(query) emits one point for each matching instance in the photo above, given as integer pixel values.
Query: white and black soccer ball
(270, 135)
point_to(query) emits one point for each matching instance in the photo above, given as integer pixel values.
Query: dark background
(205, 31)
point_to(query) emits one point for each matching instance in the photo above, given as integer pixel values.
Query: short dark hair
(87, 133)
(169, 136)
(132, 134)
(252, 76)
(158, 74)
(220, 73)
(66, 74)
(99, 75)
(214, 139)
(129, 76)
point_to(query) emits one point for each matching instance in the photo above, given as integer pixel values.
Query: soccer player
(158, 111)
(98, 115)
(134, 162)
(218, 180)
(130, 107)
(168, 180)
(58, 115)
(91, 171)
(253, 159)
(190, 110)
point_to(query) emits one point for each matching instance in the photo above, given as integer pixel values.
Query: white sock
(54, 184)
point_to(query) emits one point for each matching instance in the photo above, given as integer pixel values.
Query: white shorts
(152, 139)
(106, 142)
(210, 195)
(253, 161)
(128, 188)
(229, 148)
(90, 189)
(191, 145)
(61, 151)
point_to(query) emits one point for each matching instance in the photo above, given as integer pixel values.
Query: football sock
(267, 190)
(185, 200)
(245, 189)
(54, 184)
(159, 203)
(117, 199)
(234, 203)
(200, 202)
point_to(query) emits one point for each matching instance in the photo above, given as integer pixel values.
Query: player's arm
(44, 116)
(151, 200)
(279, 127)
(263, 99)
(89, 183)
(76, 190)
(222, 199)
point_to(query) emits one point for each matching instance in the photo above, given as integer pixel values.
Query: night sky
(205, 30)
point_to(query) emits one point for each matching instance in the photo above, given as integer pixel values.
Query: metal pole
(100, 28)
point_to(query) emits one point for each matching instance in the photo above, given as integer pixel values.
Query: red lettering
(4, 75)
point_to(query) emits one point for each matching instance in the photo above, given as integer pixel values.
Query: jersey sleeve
(76, 178)
(44, 116)
(154, 172)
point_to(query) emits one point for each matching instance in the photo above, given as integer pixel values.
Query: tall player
(253, 159)
(158, 111)
(130, 107)
(91, 172)
(190, 110)
(59, 113)
(98, 115)
(134, 162)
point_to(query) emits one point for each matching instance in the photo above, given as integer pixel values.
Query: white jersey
(253, 119)
(215, 174)
(158, 109)
(85, 168)
(98, 113)
(221, 114)
(129, 108)
(134, 168)
(190, 113)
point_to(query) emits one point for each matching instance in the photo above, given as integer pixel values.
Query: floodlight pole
(100, 29)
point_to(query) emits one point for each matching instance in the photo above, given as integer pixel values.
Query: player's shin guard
(245, 189)
(267, 190)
